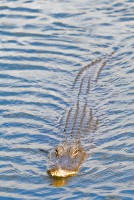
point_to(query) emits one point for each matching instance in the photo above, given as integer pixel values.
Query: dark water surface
(43, 45)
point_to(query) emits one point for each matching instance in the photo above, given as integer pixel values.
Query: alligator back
(79, 119)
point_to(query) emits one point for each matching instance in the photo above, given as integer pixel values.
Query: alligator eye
(76, 152)
(56, 152)
(59, 151)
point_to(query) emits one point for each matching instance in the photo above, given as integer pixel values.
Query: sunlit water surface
(43, 45)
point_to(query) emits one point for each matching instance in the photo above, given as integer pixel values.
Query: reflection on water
(44, 44)
(60, 182)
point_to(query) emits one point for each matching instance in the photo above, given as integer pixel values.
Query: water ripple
(43, 46)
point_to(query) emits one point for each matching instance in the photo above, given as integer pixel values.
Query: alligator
(66, 159)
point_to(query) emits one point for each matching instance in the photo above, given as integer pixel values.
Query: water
(43, 45)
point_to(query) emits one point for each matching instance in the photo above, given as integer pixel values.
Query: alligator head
(66, 159)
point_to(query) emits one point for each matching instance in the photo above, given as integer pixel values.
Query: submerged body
(67, 158)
